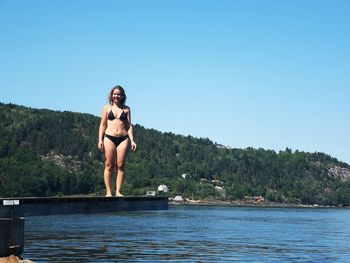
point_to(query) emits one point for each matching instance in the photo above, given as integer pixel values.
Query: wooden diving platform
(38, 206)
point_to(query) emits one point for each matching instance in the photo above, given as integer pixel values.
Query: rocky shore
(268, 204)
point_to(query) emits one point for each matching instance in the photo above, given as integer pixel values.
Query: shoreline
(265, 204)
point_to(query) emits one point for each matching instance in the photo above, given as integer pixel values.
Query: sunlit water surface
(192, 234)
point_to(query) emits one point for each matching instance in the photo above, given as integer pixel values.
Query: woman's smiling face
(117, 96)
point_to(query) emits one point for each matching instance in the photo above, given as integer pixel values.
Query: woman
(115, 134)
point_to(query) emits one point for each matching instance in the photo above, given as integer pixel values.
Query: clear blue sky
(243, 73)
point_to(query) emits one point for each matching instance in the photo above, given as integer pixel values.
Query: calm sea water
(192, 234)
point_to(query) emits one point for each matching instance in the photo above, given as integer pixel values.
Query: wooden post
(11, 231)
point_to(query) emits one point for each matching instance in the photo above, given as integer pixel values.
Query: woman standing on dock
(115, 135)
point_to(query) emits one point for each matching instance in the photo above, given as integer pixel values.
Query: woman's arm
(102, 129)
(131, 131)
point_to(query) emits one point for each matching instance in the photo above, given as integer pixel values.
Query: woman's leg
(122, 150)
(110, 152)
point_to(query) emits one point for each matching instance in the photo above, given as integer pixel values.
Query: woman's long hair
(110, 96)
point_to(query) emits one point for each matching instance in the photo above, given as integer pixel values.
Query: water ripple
(192, 234)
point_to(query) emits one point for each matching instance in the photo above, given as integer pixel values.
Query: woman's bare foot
(108, 195)
(119, 194)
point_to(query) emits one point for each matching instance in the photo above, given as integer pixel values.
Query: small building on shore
(163, 188)
(151, 193)
(178, 198)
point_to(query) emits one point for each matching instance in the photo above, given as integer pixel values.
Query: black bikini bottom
(117, 140)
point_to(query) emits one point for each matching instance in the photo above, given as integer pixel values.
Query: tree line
(50, 153)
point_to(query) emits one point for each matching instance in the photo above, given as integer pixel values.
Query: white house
(163, 188)
(219, 188)
(178, 198)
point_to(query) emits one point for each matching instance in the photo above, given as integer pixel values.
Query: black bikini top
(112, 117)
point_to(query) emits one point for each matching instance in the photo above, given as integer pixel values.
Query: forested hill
(46, 153)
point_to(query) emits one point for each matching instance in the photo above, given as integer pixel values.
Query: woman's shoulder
(107, 106)
(126, 108)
